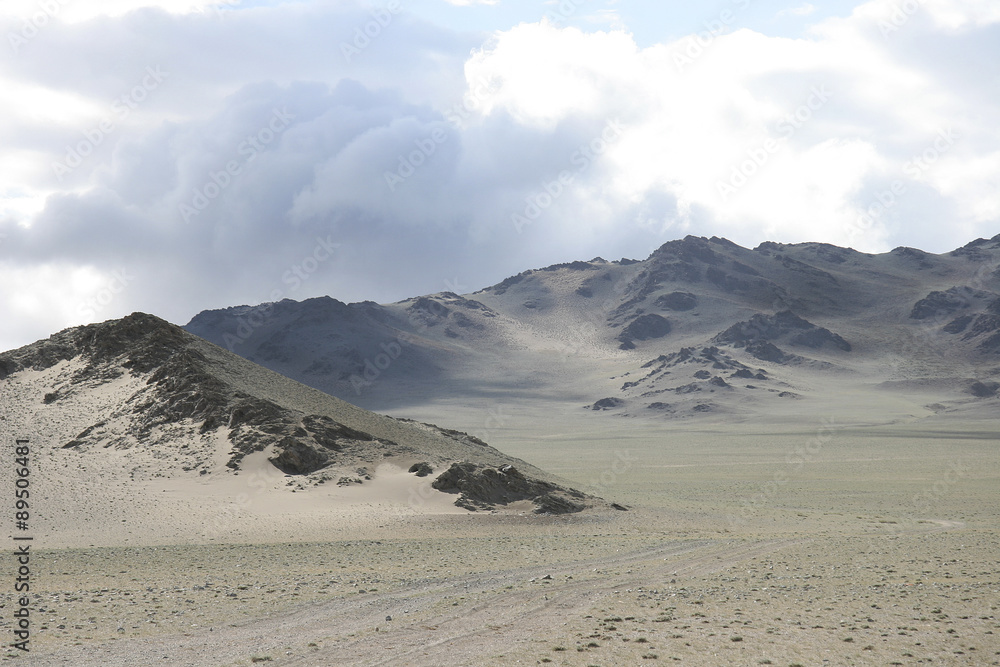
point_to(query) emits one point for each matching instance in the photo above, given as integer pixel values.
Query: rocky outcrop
(677, 301)
(947, 303)
(610, 403)
(984, 389)
(783, 326)
(644, 327)
(484, 487)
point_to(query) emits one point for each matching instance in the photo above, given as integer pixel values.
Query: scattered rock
(782, 326)
(984, 389)
(484, 487)
(299, 458)
(942, 304)
(421, 469)
(646, 327)
(766, 351)
(678, 301)
(609, 403)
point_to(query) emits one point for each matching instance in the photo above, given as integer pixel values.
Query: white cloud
(805, 132)
(802, 10)
(74, 11)
(699, 117)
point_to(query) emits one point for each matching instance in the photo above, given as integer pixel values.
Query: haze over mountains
(702, 326)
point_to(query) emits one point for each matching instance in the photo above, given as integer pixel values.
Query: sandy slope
(880, 548)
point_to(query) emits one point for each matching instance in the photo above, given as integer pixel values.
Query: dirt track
(500, 610)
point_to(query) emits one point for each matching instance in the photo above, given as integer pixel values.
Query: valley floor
(809, 543)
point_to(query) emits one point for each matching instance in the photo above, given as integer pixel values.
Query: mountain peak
(146, 341)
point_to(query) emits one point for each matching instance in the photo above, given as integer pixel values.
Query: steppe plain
(851, 529)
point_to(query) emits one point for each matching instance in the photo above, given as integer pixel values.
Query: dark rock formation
(485, 487)
(943, 304)
(421, 469)
(782, 326)
(984, 389)
(677, 301)
(610, 403)
(645, 327)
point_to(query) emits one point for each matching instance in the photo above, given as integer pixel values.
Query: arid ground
(814, 539)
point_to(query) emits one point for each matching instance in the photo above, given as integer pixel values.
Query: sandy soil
(796, 541)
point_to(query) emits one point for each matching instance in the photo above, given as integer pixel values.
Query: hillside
(702, 326)
(137, 406)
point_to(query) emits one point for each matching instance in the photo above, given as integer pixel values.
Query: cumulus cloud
(789, 137)
(391, 157)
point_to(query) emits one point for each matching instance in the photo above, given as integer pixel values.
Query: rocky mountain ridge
(811, 306)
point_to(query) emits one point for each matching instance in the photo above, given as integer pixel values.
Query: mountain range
(702, 326)
(702, 329)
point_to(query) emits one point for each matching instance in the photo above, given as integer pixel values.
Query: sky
(171, 156)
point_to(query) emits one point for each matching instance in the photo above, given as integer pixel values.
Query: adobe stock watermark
(931, 337)
(370, 31)
(410, 162)
(582, 159)
(258, 481)
(374, 366)
(246, 152)
(471, 101)
(758, 157)
(901, 14)
(294, 277)
(582, 335)
(47, 11)
(220, 6)
(696, 45)
(795, 462)
(563, 11)
(922, 503)
(622, 462)
(121, 108)
(496, 418)
(915, 167)
(119, 282)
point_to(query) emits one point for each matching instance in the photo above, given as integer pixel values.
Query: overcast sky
(175, 155)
